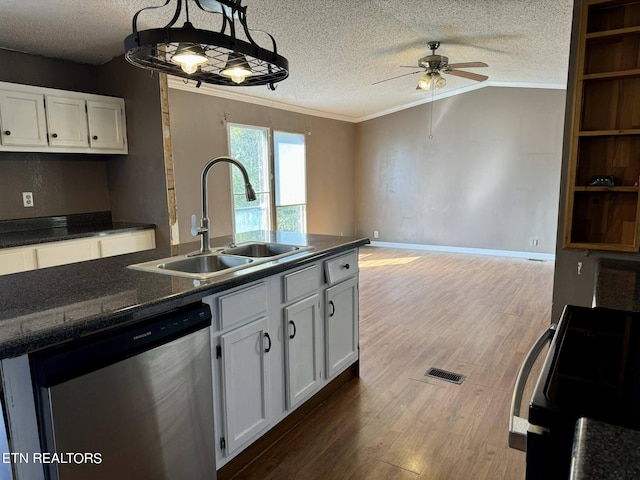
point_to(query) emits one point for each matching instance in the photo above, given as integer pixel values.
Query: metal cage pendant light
(205, 56)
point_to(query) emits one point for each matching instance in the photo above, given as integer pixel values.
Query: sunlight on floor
(386, 261)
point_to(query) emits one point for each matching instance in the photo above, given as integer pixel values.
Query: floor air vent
(444, 375)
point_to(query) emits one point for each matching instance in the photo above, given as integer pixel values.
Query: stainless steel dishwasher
(133, 403)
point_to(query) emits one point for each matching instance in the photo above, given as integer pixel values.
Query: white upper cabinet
(38, 119)
(22, 119)
(67, 122)
(106, 129)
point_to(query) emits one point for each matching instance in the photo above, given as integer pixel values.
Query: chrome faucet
(203, 230)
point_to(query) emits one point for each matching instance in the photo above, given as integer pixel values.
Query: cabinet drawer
(341, 267)
(118, 244)
(18, 259)
(301, 283)
(68, 251)
(248, 303)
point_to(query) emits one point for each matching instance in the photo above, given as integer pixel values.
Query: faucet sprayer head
(250, 192)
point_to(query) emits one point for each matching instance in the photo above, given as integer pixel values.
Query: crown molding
(212, 90)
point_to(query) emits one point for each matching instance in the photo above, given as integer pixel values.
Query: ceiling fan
(432, 65)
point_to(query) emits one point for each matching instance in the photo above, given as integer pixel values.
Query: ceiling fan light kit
(433, 65)
(431, 81)
(206, 56)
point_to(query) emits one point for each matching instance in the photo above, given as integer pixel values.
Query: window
(250, 146)
(285, 176)
(290, 181)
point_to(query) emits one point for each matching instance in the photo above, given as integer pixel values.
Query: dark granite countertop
(605, 452)
(617, 284)
(31, 231)
(43, 307)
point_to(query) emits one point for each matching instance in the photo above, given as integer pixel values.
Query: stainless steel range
(592, 370)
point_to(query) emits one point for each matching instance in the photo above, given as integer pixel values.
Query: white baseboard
(472, 251)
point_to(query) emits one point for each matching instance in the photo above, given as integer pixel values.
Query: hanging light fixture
(215, 57)
(431, 80)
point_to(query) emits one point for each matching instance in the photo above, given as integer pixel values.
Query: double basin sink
(220, 261)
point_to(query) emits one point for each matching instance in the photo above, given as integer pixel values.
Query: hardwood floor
(473, 315)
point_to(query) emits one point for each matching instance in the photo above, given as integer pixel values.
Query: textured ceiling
(336, 48)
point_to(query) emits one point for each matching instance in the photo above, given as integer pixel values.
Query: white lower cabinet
(303, 350)
(277, 342)
(70, 251)
(341, 325)
(51, 254)
(119, 244)
(245, 373)
(17, 259)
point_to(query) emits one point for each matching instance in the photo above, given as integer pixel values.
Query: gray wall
(199, 134)
(137, 181)
(488, 179)
(61, 183)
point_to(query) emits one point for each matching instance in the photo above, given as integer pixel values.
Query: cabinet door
(118, 244)
(68, 251)
(244, 378)
(106, 125)
(302, 349)
(341, 325)
(23, 119)
(67, 122)
(19, 259)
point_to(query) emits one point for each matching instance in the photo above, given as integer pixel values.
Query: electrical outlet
(27, 199)
(375, 234)
(534, 242)
(579, 268)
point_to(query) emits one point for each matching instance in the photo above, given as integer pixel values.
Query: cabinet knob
(7, 132)
(95, 137)
(346, 266)
(54, 135)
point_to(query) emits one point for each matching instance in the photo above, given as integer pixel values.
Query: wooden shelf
(602, 133)
(620, 189)
(612, 75)
(618, 32)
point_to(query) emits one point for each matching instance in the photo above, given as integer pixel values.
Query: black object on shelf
(602, 181)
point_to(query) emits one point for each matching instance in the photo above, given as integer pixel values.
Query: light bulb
(440, 81)
(425, 82)
(189, 57)
(237, 75)
(189, 66)
(237, 68)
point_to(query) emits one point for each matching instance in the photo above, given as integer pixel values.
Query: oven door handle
(518, 426)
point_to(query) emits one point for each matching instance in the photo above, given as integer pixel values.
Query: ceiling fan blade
(468, 65)
(397, 76)
(469, 75)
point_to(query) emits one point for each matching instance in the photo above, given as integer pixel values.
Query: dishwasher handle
(518, 426)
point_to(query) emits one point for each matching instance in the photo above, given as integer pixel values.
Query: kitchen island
(61, 305)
